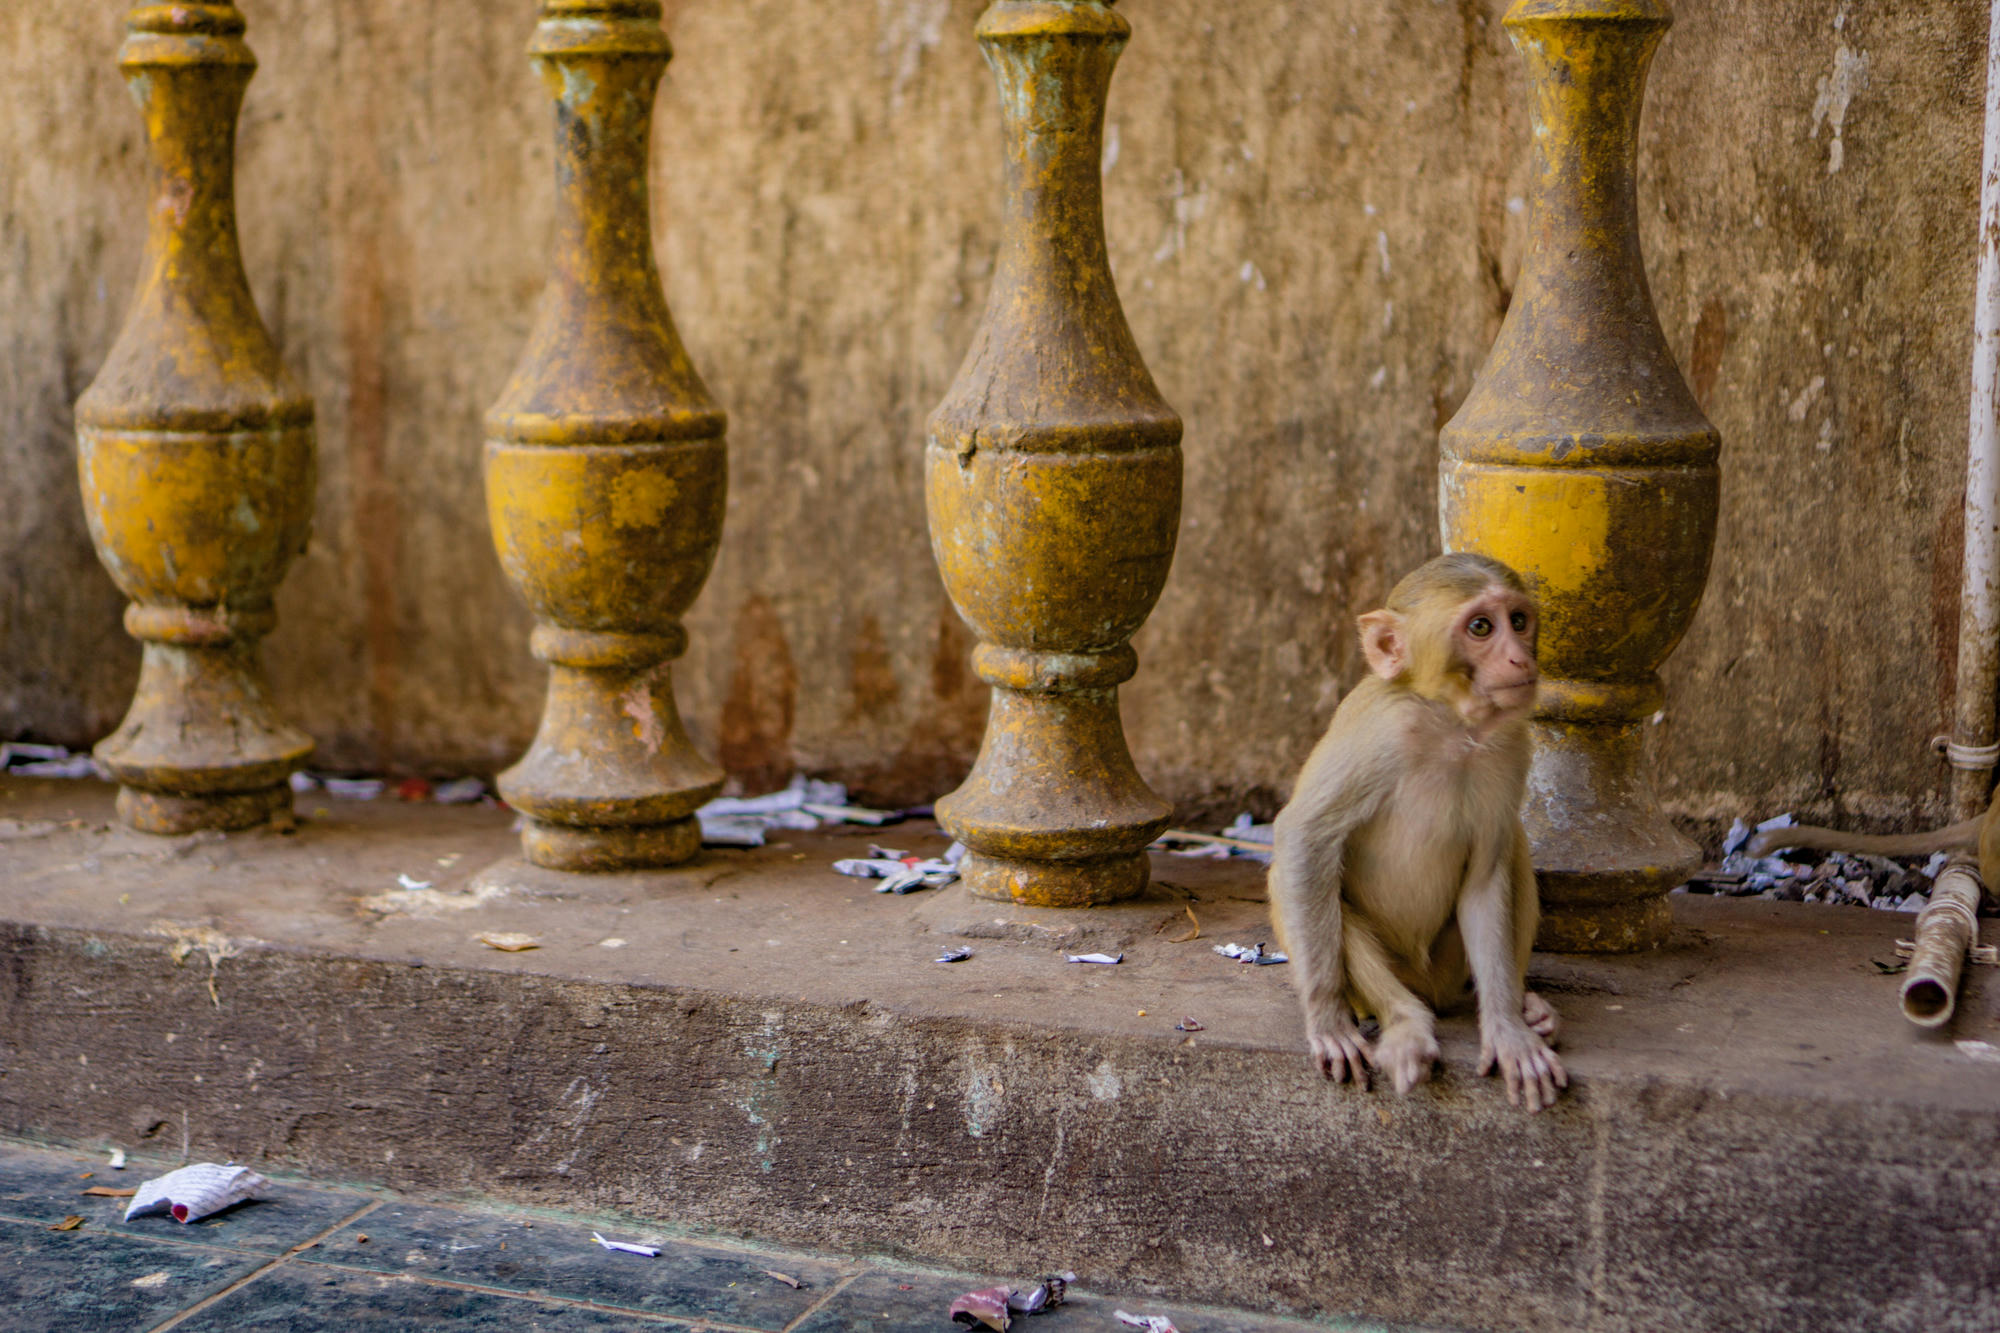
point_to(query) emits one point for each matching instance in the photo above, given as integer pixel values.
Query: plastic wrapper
(196, 1191)
(986, 1307)
(459, 791)
(731, 830)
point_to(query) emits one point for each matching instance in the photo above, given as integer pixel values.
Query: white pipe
(1945, 931)
(1972, 748)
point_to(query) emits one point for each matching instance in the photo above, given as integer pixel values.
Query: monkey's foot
(1340, 1052)
(1406, 1053)
(1540, 1016)
(1531, 1070)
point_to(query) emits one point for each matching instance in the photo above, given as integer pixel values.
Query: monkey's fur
(1400, 880)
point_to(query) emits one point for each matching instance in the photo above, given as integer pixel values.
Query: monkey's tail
(1962, 836)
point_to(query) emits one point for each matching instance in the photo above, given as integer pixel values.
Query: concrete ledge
(1755, 1138)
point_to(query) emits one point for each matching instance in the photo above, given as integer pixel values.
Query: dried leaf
(508, 941)
(106, 1192)
(1194, 934)
(70, 1223)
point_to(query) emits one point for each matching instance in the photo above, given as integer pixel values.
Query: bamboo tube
(1946, 931)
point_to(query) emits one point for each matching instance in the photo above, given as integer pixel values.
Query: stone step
(754, 1046)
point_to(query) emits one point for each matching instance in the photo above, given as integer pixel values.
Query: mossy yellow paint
(606, 473)
(195, 452)
(1581, 459)
(1053, 480)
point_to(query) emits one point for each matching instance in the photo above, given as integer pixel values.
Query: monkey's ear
(1383, 644)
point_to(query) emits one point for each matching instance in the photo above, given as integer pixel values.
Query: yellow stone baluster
(1581, 459)
(606, 474)
(195, 453)
(1053, 476)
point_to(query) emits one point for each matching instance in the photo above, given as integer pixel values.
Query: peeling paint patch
(1836, 92)
(1188, 206)
(909, 29)
(637, 703)
(1806, 398)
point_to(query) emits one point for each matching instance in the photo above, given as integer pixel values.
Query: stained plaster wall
(1315, 217)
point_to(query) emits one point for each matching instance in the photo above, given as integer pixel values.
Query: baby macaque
(1400, 880)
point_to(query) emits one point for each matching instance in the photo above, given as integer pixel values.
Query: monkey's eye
(1479, 627)
(1519, 620)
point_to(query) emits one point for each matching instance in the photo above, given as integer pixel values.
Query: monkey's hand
(1540, 1016)
(1531, 1069)
(1339, 1049)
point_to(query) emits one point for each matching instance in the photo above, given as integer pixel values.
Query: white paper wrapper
(194, 1192)
(1152, 1323)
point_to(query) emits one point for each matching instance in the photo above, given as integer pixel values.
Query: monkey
(1400, 877)
(1979, 835)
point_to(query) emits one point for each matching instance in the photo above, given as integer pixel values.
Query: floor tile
(887, 1302)
(46, 1187)
(882, 1302)
(560, 1259)
(88, 1281)
(302, 1298)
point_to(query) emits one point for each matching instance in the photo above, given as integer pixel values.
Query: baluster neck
(602, 63)
(1053, 60)
(187, 67)
(1587, 63)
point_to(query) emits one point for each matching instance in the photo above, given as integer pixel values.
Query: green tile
(560, 1259)
(300, 1298)
(89, 1280)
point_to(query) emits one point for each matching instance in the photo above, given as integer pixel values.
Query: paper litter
(624, 1247)
(25, 759)
(1152, 1323)
(805, 804)
(901, 872)
(196, 1191)
(1253, 953)
(1105, 958)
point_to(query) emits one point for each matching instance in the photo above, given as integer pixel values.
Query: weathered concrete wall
(1313, 218)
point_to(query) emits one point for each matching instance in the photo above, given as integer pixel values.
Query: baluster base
(1605, 853)
(610, 847)
(171, 813)
(1053, 813)
(1094, 882)
(612, 781)
(201, 747)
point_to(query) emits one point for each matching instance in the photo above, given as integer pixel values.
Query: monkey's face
(1493, 637)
